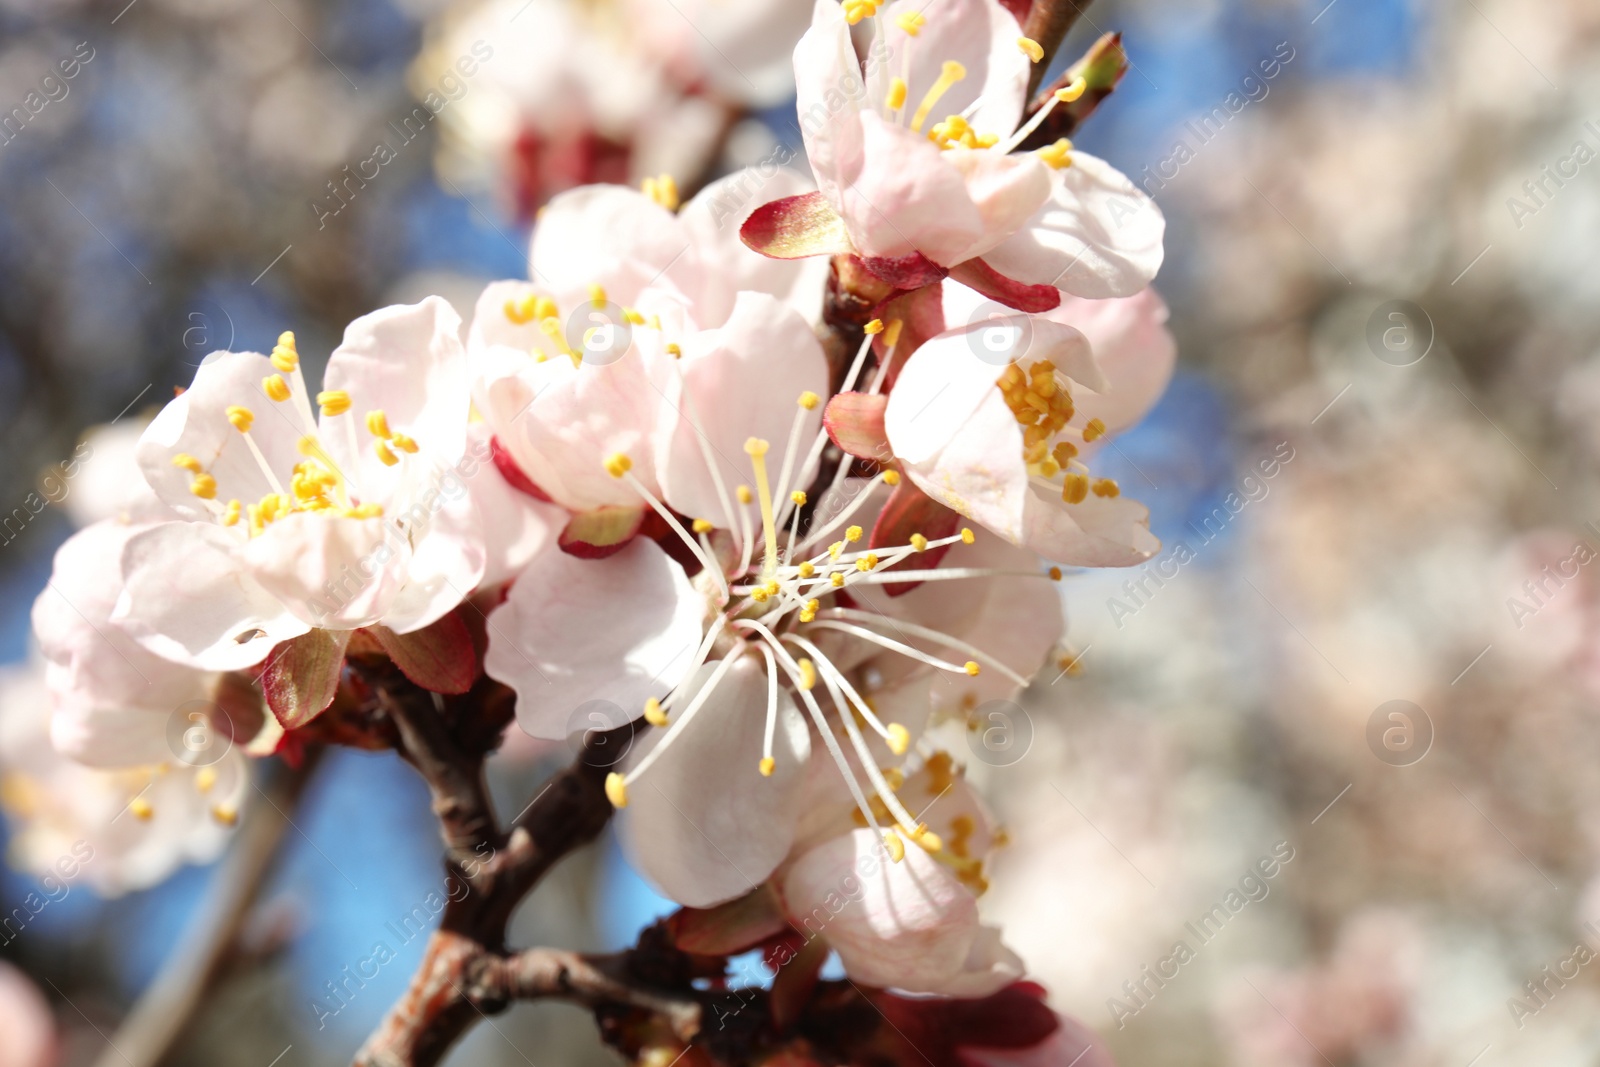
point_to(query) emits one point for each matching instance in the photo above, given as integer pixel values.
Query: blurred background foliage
(167, 205)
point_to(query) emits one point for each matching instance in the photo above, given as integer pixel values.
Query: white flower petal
(1097, 236)
(702, 823)
(331, 572)
(188, 598)
(741, 381)
(406, 361)
(619, 629)
(829, 97)
(981, 36)
(449, 558)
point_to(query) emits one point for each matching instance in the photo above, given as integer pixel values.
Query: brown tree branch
(1048, 23)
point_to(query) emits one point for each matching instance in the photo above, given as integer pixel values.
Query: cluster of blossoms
(666, 500)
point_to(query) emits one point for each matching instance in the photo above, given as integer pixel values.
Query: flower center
(1041, 402)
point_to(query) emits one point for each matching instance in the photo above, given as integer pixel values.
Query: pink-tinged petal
(1099, 532)
(795, 227)
(984, 279)
(1006, 190)
(702, 823)
(189, 598)
(829, 96)
(921, 316)
(909, 925)
(1072, 1043)
(854, 422)
(621, 629)
(302, 676)
(26, 1021)
(612, 236)
(406, 361)
(106, 480)
(902, 197)
(1133, 347)
(989, 967)
(561, 423)
(118, 735)
(740, 381)
(979, 470)
(1097, 236)
(196, 424)
(715, 220)
(979, 34)
(93, 662)
(329, 571)
(516, 527)
(492, 327)
(600, 532)
(449, 557)
(1018, 620)
(440, 657)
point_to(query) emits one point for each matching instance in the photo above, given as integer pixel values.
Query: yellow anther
(755, 446)
(967, 536)
(760, 595)
(386, 454)
(897, 95)
(836, 580)
(633, 317)
(972, 668)
(812, 606)
(545, 308)
(1055, 574)
(951, 73)
(663, 190)
(891, 477)
(899, 739)
(919, 542)
(616, 790)
(653, 713)
(853, 534)
(404, 443)
(1095, 429)
(618, 464)
(772, 588)
(911, 22)
(808, 674)
(187, 462)
(275, 387)
(203, 486)
(929, 840)
(285, 355)
(867, 562)
(896, 847)
(874, 327)
(1030, 48)
(1074, 487)
(225, 814)
(891, 335)
(141, 808)
(378, 425)
(333, 402)
(1058, 156)
(809, 400)
(701, 526)
(835, 549)
(230, 514)
(768, 765)
(799, 498)
(520, 310)
(744, 494)
(597, 295)
(674, 350)
(365, 511)
(205, 779)
(1074, 91)
(808, 569)
(1063, 452)
(241, 418)
(1106, 487)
